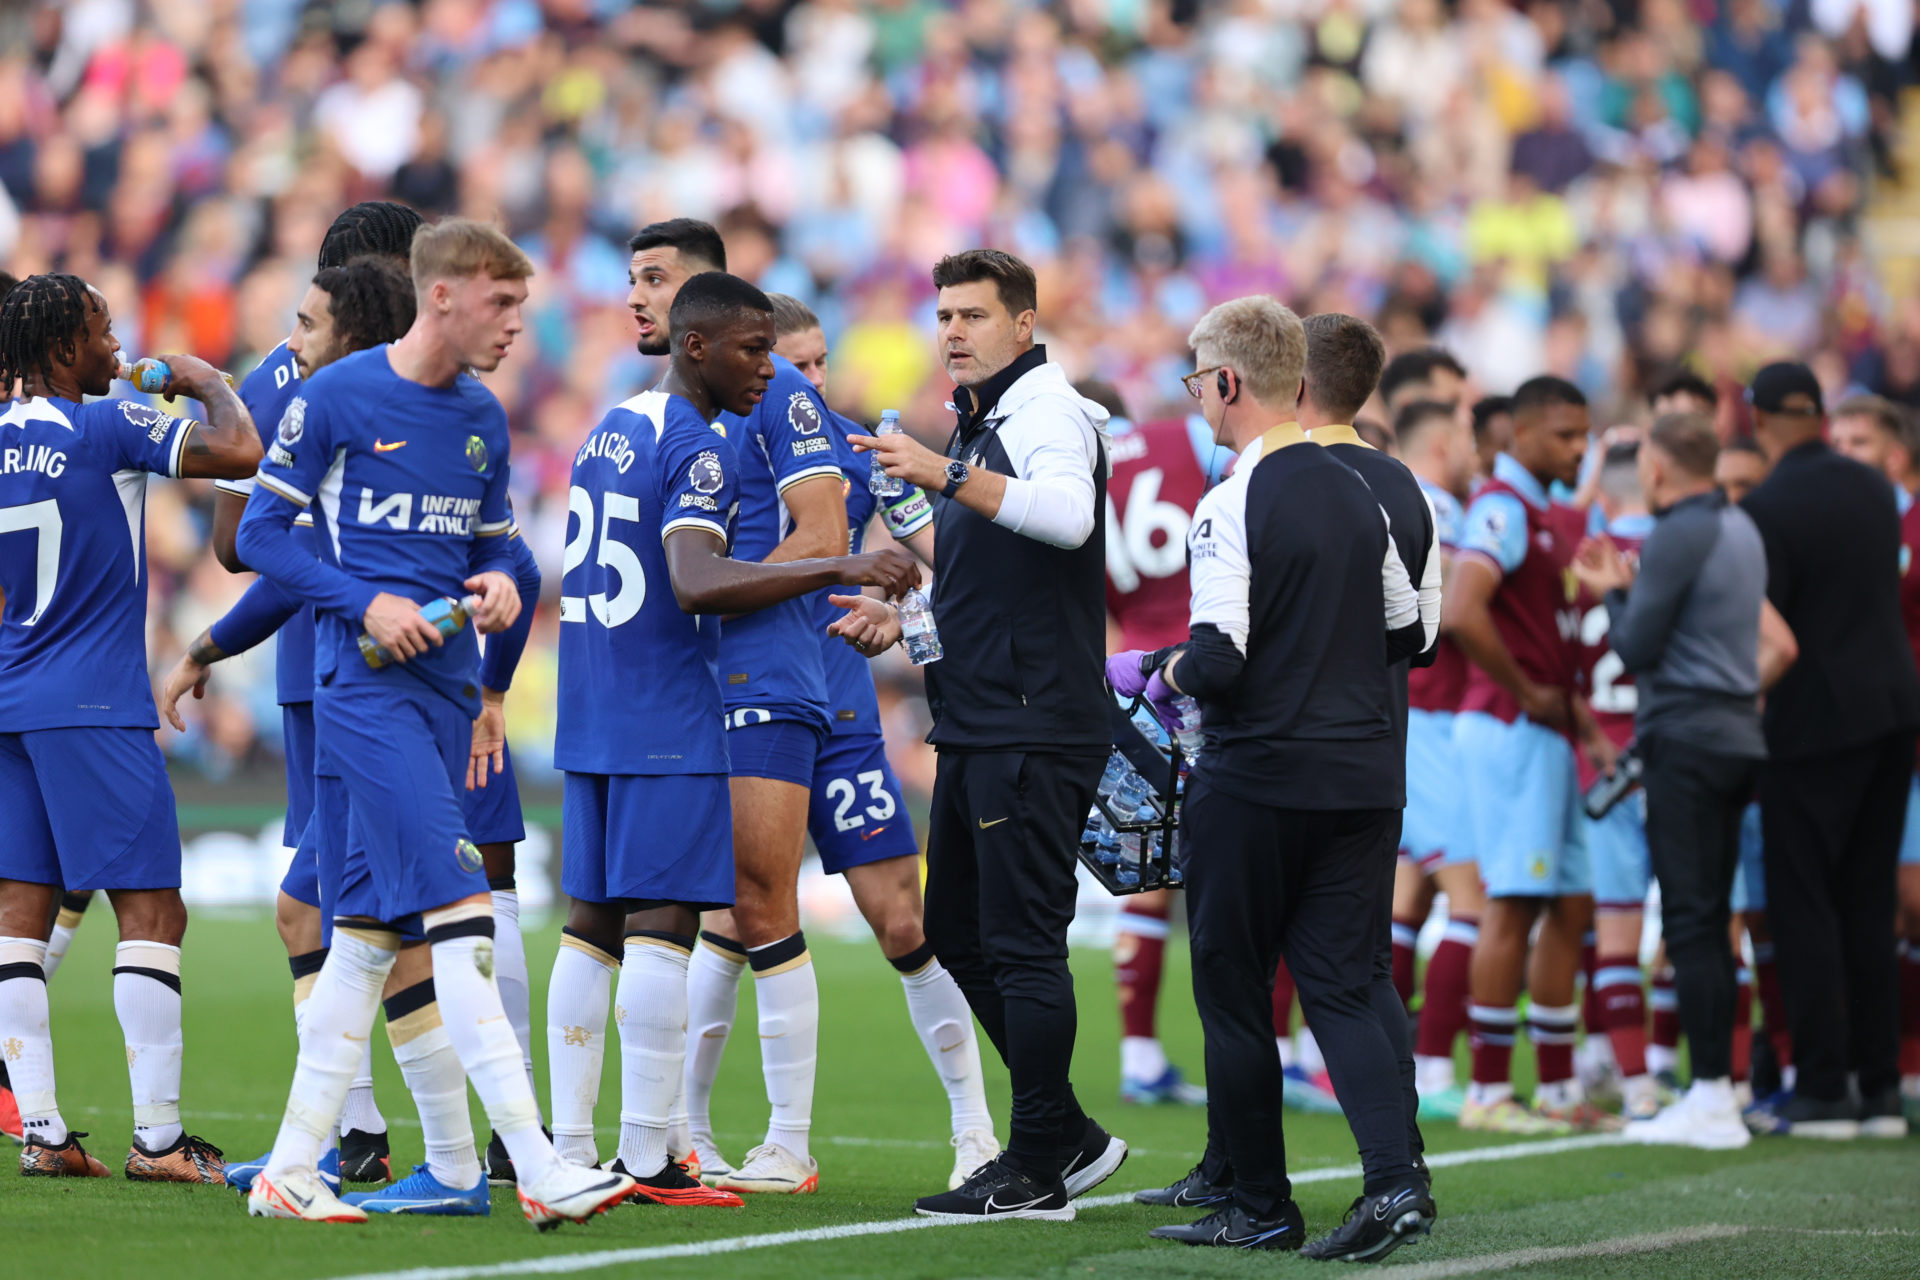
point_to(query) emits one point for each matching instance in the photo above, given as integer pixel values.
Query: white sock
(510, 972)
(679, 1132)
(439, 1087)
(25, 1031)
(1560, 1094)
(1310, 1058)
(1284, 1045)
(944, 1022)
(1485, 1095)
(1789, 1077)
(577, 994)
(1661, 1058)
(1142, 1058)
(335, 1021)
(146, 996)
(477, 1024)
(713, 992)
(789, 1002)
(302, 989)
(362, 1113)
(65, 925)
(1432, 1074)
(652, 1012)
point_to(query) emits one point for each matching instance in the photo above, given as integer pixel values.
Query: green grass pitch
(1779, 1209)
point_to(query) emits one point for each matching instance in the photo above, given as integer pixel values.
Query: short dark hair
(1684, 382)
(41, 320)
(1012, 279)
(1620, 470)
(1744, 444)
(373, 301)
(1882, 412)
(697, 241)
(1417, 366)
(1376, 434)
(1417, 416)
(790, 315)
(712, 299)
(1486, 409)
(1689, 439)
(1344, 359)
(372, 226)
(1104, 394)
(1544, 392)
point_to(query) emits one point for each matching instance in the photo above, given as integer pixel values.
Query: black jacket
(1832, 535)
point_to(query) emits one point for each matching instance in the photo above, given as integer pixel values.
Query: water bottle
(1117, 768)
(1150, 727)
(153, 376)
(916, 628)
(1186, 728)
(447, 614)
(879, 483)
(1105, 840)
(1131, 793)
(1143, 841)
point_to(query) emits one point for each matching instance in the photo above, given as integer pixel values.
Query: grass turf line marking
(1618, 1247)
(565, 1264)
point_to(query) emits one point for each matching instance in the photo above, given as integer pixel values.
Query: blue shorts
(857, 814)
(1617, 846)
(391, 768)
(1750, 876)
(296, 740)
(493, 811)
(302, 881)
(647, 837)
(1910, 843)
(1523, 807)
(1432, 831)
(87, 808)
(783, 750)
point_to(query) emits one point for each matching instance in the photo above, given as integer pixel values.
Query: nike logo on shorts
(381, 446)
(984, 824)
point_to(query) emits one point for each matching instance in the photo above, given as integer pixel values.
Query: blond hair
(1260, 340)
(456, 248)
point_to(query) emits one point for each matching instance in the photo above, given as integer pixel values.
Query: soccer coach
(1019, 712)
(1299, 788)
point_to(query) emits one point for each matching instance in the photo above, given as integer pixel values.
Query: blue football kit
(82, 782)
(857, 813)
(408, 487)
(771, 677)
(641, 727)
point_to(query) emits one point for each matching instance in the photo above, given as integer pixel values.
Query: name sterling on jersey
(438, 513)
(35, 457)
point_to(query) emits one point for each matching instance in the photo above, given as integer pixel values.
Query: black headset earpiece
(1220, 381)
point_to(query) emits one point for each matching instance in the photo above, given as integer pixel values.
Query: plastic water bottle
(1105, 840)
(1150, 727)
(1186, 729)
(1117, 769)
(879, 483)
(917, 629)
(1131, 793)
(447, 614)
(153, 376)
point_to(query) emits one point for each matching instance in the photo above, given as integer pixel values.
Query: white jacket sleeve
(1050, 495)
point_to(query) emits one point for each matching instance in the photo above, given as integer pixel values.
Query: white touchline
(1620, 1246)
(565, 1264)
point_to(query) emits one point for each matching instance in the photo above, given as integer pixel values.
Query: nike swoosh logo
(993, 1207)
(984, 824)
(868, 835)
(356, 1039)
(949, 1048)
(713, 1035)
(1224, 1238)
(381, 446)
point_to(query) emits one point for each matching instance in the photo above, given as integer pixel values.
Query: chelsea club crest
(477, 452)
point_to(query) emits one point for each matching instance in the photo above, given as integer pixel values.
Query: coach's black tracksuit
(1296, 794)
(1019, 707)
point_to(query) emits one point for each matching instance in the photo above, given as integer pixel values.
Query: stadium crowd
(1599, 191)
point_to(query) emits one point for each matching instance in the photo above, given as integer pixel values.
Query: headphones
(1221, 382)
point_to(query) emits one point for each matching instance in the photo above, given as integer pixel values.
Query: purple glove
(1123, 673)
(1161, 696)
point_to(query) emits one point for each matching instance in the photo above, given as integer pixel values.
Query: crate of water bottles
(1131, 839)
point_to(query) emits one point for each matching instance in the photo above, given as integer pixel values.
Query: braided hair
(373, 301)
(373, 226)
(41, 321)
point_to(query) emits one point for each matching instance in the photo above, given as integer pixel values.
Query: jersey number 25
(612, 555)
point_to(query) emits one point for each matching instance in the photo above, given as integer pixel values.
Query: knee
(899, 934)
(152, 917)
(597, 923)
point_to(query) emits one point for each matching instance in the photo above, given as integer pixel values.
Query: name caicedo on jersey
(612, 446)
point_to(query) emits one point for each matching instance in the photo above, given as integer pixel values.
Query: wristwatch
(957, 474)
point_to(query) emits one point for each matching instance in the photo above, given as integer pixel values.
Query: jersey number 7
(44, 519)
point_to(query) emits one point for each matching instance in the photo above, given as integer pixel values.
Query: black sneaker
(364, 1157)
(1883, 1115)
(1229, 1227)
(998, 1190)
(1804, 1117)
(673, 1185)
(1423, 1173)
(500, 1164)
(1091, 1161)
(1195, 1191)
(1376, 1226)
(1763, 1065)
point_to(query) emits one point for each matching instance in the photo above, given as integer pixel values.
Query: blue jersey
(770, 660)
(639, 680)
(73, 560)
(408, 485)
(266, 392)
(850, 698)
